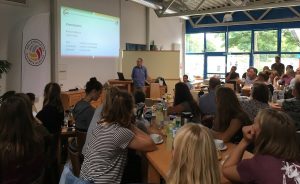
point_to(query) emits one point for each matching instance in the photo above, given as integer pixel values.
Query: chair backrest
(75, 160)
(81, 136)
(230, 85)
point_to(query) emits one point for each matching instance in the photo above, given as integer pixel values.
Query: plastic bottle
(274, 97)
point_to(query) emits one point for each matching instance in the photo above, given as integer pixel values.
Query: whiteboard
(158, 63)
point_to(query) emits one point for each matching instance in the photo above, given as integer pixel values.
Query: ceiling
(197, 11)
(167, 8)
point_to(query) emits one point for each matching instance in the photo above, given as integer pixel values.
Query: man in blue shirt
(139, 74)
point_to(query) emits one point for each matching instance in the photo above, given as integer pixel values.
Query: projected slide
(89, 34)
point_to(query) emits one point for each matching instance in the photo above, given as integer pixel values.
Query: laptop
(121, 77)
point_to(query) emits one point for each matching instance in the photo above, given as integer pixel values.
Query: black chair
(81, 136)
(75, 161)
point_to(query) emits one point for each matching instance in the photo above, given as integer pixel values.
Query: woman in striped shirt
(106, 153)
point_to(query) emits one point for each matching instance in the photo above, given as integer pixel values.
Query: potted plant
(4, 67)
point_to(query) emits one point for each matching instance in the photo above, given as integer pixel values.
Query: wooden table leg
(150, 175)
(129, 88)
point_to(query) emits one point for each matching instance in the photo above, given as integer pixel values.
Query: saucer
(161, 140)
(224, 148)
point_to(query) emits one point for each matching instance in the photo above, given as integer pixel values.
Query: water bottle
(281, 95)
(274, 97)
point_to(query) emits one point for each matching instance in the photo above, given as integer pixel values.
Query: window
(216, 66)
(215, 42)
(194, 43)
(291, 59)
(265, 41)
(261, 60)
(239, 41)
(290, 40)
(240, 61)
(194, 65)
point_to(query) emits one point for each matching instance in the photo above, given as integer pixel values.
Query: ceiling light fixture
(227, 17)
(157, 7)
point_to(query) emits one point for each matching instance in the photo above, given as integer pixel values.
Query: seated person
(194, 157)
(292, 106)
(184, 102)
(297, 75)
(266, 68)
(32, 100)
(207, 102)
(83, 111)
(273, 78)
(258, 100)
(287, 77)
(276, 159)
(264, 77)
(185, 79)
(230, 117)
(250, 76)
(106, 152)
(139, 98)
(109, 93)
(23, 151)
(6, 95)
(52, 113)
(232, 75)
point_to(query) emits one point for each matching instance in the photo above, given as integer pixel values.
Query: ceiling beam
(254, 6)
(165, 8)
(246, 22)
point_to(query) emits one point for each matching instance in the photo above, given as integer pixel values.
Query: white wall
(133, 23)
(165, 32)
(10, 17)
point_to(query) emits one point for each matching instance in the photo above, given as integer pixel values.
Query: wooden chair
(75, 161)
(230, 85)
(81, 136)
(298, 137)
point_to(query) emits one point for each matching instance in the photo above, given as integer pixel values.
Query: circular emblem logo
(35, 52)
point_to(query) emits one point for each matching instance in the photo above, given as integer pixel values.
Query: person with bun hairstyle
(83, 111)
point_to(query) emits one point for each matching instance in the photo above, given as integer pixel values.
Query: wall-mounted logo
(35, 52)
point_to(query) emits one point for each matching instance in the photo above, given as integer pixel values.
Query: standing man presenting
(278, 66)
(139, 75)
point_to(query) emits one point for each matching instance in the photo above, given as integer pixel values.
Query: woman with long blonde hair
(194, 157)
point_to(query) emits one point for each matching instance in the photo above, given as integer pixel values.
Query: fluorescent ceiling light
(157, 7)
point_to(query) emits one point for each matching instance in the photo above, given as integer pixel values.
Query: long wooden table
(159, 161)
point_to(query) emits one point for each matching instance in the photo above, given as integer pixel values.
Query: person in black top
(278, 66)
(232, 75)
(52, 113)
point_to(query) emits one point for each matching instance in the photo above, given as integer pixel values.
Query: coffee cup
(156, 138)
(219, 144)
